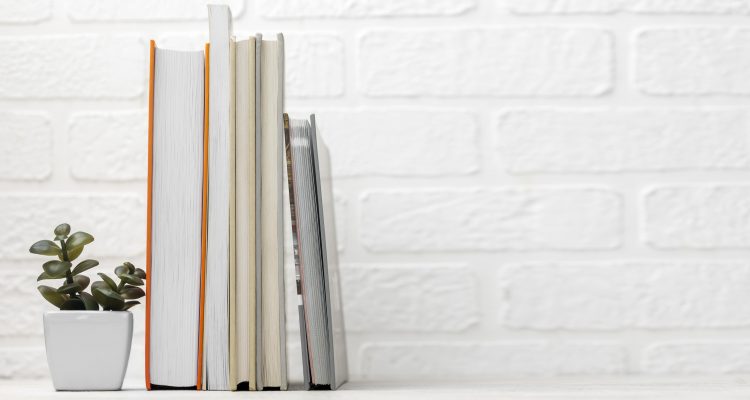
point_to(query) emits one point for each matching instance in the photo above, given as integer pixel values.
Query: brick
(486, 62)
(620, 295)
(340, 210)
(564, 6)
(366, 8)
(704, 357)
(693, 61)
(109, 145)
(689, 7)
(25, 12)
(409, 298)
(27, 154)
(698, 217)
(314, 65)
(430, 142)
(630, 6)
(491, 219)
(621, 140)
(19, 289)
(117, 221)
(23, 362)
(488, 360)
(73, 67)
(145, 10)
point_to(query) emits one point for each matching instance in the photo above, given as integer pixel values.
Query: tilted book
(316, 260)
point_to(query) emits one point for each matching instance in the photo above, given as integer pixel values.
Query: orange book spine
(204, 222)
(152, 52)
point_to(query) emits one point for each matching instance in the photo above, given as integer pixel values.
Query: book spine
(152, 63)
(204, 223)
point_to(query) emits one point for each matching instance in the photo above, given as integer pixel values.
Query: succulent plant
(120, 296)
(71, 294)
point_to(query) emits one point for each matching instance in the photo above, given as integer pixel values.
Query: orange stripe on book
(204, 223)
(152, 52)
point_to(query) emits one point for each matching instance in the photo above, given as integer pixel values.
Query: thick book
(176, 217)
(316, 261)
(242, 341)
(220, 204)
(272, 341)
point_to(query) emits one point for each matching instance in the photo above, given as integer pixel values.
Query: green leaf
(79, 239)
(140, 273)
(62, 231)
(130, 304)
(84, 265)
(112, 285)
(73, 304)
(98, 284)
(82, 281)
(131, 279)
(89, 302)
(56, 269)
(121, 270)
(132, 292)
(51, 295)
(130, 266)
(44, 276)
(73, 254)
(69, 288)
(45, 248)
(108, 298)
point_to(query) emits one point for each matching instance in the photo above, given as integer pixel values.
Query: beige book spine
(271, 219)
(253, 222)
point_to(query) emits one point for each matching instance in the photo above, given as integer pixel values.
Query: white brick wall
(80, 66)
(673, 61)
(490, 219)
(485, 62)
(523, 187)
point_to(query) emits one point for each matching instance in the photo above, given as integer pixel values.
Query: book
(220, 190)
(239, 206)
(242, 339)
(176, 220)
(272, 348)
(258, 233)
(316, 262)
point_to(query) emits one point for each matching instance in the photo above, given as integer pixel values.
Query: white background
(524, 187)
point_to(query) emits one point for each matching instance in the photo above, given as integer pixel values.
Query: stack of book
(238, 196)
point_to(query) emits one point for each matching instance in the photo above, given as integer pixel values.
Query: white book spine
(216, 323)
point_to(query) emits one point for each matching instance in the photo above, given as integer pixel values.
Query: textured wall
(523, 186)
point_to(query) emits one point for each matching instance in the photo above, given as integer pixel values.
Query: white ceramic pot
(88, 350)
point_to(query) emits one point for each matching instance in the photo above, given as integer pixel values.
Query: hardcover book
(176, 220)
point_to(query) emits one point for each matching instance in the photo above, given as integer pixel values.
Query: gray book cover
(316, 259)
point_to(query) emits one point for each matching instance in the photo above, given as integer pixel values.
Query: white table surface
(631, 387)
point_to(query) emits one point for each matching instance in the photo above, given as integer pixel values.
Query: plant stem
(120, 285)
(68, 274)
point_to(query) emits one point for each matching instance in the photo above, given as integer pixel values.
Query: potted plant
(87, 348)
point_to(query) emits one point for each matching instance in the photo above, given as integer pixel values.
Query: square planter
(88, 350)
